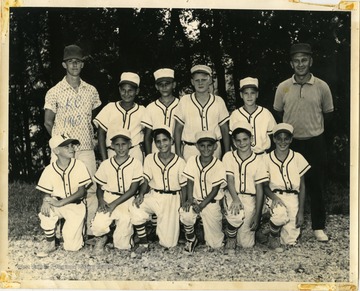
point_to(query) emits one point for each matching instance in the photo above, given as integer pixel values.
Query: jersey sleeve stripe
(97, 180)
(98, 123)
(224, 120)
(146, 177)
(42, 189)
(188, 176)
(307, 168)
(146, 124)
(183, 184)
(261, 180)
(218, 182)
(230, 173)
(137, 179)
(85, 182)
(179, 119)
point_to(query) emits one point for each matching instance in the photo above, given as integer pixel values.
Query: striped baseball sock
(189, 232)
(49, 234)
(154, 220)
(230, 230)
(274, 229)
(141, 231)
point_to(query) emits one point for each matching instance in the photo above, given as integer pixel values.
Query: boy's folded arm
(79, 194)
(210, 197)
(128, 194)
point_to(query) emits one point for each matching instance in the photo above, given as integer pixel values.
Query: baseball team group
(184, 163)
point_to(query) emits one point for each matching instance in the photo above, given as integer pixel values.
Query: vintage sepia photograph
(188, 146)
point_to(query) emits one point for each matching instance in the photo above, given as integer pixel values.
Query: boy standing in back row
(261, 120)
(126, 114)
(200, 111)
(160, 112)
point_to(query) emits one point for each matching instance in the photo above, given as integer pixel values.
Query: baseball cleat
(49, 248)
(230, 246)
(190, 246)
(142, 248)
(274, 244)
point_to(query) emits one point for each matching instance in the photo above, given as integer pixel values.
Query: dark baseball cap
(73, 52)
(300, 48)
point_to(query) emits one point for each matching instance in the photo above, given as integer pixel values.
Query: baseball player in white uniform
(117, 181)
(286, 188)
(244, 198)
(161, 111)
(63, 184)
(261, 120)
(165, 184)
(206, 179)
(200, 111)
(122, 114)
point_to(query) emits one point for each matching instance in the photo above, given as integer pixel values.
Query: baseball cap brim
(201, 71)
(121, 136)
(206, 139)
(282, 131)
(249, 86)
(128, 82)
(164, 79)
(69, 141)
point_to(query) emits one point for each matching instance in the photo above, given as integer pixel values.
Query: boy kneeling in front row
(160, 192)
(206, 179)
(63, 184)
(286, 188)
(244, 198)
(117, 179)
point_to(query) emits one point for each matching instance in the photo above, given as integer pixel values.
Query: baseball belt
(282, 191)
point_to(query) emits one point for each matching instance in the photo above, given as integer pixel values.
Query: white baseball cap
(61, 140)
(130, 78)
(205, 135)
(122, 132)
(249, 82)
(201, 69)
(283, 127)
(241, 124)
(164, 75)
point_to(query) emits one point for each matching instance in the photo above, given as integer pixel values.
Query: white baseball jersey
(113, 117)
(262, 123)
(63, 183)
(195, 117)
(247, 173)
(164, 177)
(205, 178)
(285, 175)
(118, 178)
(157, 114)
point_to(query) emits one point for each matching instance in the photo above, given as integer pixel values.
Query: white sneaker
(320, 235)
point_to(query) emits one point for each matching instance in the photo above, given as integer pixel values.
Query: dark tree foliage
(235, 43)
